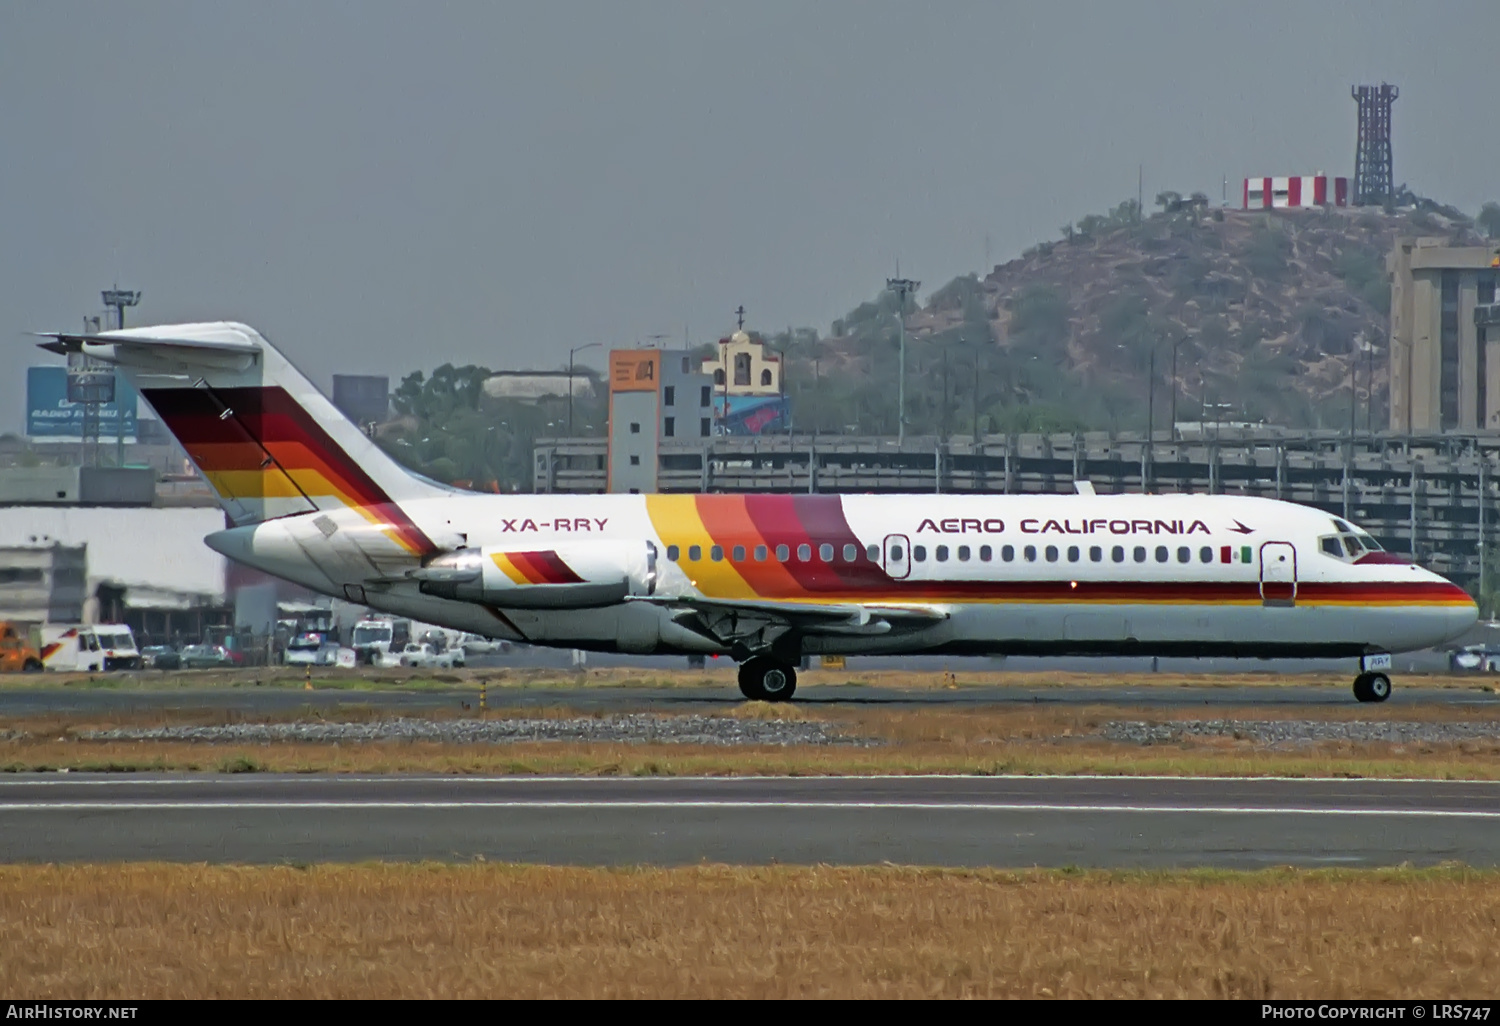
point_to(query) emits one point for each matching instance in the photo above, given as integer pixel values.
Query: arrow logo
(1240, 528)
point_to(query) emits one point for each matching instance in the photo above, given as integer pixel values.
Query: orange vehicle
(16, 651)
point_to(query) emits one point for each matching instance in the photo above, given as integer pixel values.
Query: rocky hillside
(1267, 311)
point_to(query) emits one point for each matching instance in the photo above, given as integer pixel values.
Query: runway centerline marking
(191, 806)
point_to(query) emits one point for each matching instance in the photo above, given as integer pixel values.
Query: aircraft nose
(1461, 617)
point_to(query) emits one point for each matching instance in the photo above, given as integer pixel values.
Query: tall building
(653, 394)
(1442, 375)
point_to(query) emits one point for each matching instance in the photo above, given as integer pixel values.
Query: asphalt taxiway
(954, 821)
(20, 701)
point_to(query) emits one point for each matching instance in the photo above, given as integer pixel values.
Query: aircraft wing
(728, 618)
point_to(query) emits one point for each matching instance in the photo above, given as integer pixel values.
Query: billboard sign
(49, 414)
(634, 370)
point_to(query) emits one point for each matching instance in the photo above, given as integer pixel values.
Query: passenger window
(963, 553)
(1162, 555)
(1140, 553)
(695, 553)
(986, 553)
(760, 553)
(672, 552)
(1184, 554)
(1205, 555)
(1030, 553)
(872, 553)
(739, 553)
(1117, 554)
(942, 554)
(1052, 553)
(804, 553)
(1096, 554)
(825, 552)
(716, 553)
(1008, 553)
(783, 553)
(851, 553)
(1072, 553)
(919, 553)
(1331, 547)
(895, 553)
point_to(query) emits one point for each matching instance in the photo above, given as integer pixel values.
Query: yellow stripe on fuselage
(676, 520)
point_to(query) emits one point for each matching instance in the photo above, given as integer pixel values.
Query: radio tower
(1373, 182)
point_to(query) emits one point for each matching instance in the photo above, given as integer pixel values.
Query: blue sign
(50, 415)
(751, 414)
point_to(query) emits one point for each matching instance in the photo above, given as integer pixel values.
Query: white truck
(103, 646)
(379, 641)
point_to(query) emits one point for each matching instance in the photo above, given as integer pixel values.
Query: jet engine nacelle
(572, 575)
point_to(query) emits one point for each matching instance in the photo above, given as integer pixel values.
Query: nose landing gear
(764, 679)
(1372, 687)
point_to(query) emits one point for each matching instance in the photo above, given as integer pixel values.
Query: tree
(1489, 219)
(1169, 201)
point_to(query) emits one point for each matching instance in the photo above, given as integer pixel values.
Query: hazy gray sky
(387, 186)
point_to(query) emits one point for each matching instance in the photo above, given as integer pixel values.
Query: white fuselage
(1173, 574)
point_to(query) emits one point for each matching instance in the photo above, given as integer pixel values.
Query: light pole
(575, 349)
(902, 287)
(119, 299)
(1174, 388)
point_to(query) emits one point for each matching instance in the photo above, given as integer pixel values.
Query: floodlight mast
(118, 299)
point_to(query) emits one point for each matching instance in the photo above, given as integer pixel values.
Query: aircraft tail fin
(267, 441)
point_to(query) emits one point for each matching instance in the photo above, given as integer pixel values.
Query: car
(1476, 658)
(205, 657)
(160, 657)
(421, 655)
(478, 644)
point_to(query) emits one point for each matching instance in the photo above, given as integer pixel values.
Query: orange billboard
(634, 370)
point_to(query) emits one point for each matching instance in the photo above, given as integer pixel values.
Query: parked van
(376, 639)
(104, 646)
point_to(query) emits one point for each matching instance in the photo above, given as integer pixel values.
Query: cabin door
(897, 554)
(1278, 574)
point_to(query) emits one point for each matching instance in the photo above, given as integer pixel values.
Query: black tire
(750, 681)
(779, 682)
(763, 679)
(1372, 687)
(32, 666)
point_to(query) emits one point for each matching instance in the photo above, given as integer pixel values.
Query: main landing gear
(764, 679)
(1372, 687)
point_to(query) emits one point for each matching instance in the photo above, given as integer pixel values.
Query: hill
(1267, 311)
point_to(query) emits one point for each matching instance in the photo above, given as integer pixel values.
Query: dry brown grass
(1028, 739)
(387, 931)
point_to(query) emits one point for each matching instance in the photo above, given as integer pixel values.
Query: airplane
(766, 579)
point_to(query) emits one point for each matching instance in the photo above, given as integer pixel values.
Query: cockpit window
(1341, 527)
(1349, 546)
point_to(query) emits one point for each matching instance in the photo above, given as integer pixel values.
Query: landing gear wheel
(1372, 687)
(763, 679)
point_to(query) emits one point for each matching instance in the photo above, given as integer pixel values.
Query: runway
(1106, 822)
(56, 700)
